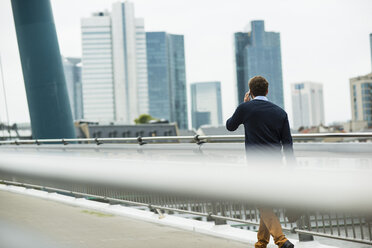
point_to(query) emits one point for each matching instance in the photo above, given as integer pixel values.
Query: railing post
(198, 140)
(217, 221)
(302, 222)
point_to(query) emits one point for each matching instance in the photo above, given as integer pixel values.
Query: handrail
(181, 211)
(334, 189)
(165, 181)
(198, 139)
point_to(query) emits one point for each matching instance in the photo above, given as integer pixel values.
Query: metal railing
(226, 196)
(347, 227)
(199, 139)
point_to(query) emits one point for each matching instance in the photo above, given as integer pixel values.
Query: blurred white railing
(208, 188)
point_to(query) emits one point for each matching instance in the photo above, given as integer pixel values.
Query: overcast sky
(324, 41)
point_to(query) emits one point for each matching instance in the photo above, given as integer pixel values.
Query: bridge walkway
(27, 221)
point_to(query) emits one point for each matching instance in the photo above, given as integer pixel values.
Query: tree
(144, 119)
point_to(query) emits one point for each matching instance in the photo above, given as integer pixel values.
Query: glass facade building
(200, 118)
(370, 44)
(206, 104)
(258, 53)
(72, 70)
(367, 102)
(361, 99)
(241, 41)
(167, 77)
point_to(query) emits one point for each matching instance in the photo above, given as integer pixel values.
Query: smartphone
(250, 96)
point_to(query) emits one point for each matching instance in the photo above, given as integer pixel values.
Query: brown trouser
(269, 225)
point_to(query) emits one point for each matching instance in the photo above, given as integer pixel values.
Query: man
(266, 132)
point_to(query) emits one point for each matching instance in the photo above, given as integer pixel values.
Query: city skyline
(127, 143)
(295, 68)
(128, 72)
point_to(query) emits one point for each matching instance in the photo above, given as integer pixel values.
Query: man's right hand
(247, 96)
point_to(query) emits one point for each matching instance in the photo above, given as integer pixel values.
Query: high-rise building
(167, 77)
(72, 70)
(158, 75)
(97, 71)
(130, 67)
(361, 101)
(114, 65)
(257, 52)
(206, 105)
(307, 104)
(141, 60)
(370, 44)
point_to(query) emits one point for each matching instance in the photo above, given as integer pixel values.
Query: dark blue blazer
(266, 127)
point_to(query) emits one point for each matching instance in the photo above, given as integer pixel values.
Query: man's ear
(267, 92)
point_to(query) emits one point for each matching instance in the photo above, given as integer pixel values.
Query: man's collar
(260, 98)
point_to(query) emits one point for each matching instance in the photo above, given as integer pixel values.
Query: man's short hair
(258, 86)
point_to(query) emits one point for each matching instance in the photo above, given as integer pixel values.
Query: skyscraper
(258, 53)
(97, 71)
(141, 61)
(72, 70)
(119, 67)
(307, 104)
(206, 106)
(167, 77)
(370, 44)
(361, 101)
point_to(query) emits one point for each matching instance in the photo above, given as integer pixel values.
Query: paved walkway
(33, 222)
